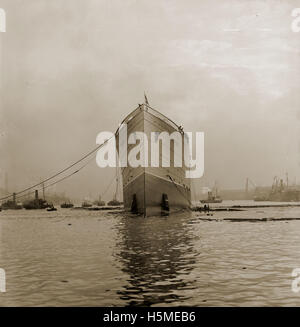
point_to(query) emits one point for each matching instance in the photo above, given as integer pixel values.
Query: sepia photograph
(149, 155)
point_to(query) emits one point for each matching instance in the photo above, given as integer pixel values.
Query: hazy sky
(73, 68)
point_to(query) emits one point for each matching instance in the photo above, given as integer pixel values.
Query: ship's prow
(149, 190)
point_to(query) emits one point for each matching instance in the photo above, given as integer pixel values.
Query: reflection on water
(157, 253)
(82, 258)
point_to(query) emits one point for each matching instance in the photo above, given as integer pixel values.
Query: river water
(96, 258)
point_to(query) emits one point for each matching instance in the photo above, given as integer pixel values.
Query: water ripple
(82, 258)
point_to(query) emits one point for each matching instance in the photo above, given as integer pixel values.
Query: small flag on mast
(146, 100)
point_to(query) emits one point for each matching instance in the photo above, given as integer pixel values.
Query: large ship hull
(154, 190)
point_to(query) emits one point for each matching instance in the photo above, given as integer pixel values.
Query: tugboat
(36, 203)
(86, 204)
(51, 208)
(212, 198)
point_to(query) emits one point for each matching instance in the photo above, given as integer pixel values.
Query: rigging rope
(189, 201)
(58, 181)
(59, 173)
(71, 166)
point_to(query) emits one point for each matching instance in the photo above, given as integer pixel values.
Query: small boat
(114, 202)
(51, 208)
(99, 202)
(212, 198)
(67, 205)
(86, 204)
